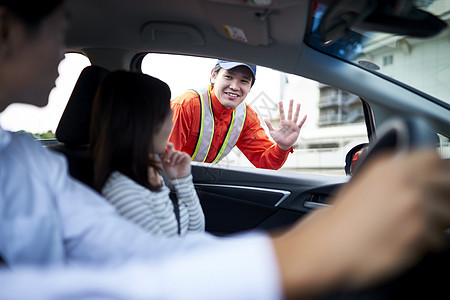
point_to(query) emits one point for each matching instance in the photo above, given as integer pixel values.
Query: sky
(38, 120)
(180, 72)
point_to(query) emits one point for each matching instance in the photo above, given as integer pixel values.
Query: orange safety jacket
(252, 141)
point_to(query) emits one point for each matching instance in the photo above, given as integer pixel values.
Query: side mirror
(353, 157)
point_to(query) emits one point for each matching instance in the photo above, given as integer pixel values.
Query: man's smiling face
(232, 86)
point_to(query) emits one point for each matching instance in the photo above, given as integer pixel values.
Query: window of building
(337, 107)
(388, 60)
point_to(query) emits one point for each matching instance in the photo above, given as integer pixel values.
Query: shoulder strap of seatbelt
(173, 197)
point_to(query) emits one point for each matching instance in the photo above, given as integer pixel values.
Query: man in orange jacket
(209, 123)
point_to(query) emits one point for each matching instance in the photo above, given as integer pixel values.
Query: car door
(236, 199)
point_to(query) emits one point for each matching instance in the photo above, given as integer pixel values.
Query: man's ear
(6, 27)
(12, 32)
(213, 77)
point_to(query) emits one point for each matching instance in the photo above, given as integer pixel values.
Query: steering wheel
(399, 135)
(427, 279)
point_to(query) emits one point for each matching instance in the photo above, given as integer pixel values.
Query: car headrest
(73, 127)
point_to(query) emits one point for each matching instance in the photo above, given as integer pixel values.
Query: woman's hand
(176, 164)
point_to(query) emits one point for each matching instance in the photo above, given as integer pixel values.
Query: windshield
(422, 63)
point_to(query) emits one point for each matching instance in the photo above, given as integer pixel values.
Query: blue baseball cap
(226, 64)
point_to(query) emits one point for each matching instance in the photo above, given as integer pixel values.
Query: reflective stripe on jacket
(206, 129)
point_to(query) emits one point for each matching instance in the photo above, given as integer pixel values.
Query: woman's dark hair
(31, 12)
(128, 110)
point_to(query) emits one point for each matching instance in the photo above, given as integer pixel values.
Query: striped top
(153, 211)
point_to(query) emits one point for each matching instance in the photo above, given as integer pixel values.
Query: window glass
(335, 118)
(421, 63)
(42, 122)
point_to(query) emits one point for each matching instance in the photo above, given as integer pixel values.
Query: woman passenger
(134, 165)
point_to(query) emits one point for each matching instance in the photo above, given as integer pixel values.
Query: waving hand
(287, 132)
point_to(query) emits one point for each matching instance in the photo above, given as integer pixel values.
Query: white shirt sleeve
(236, 268)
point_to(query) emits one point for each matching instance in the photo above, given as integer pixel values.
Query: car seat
(72, 132)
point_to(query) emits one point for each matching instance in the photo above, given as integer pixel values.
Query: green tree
(47, 135)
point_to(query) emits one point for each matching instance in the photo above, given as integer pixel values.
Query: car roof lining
(182, 33)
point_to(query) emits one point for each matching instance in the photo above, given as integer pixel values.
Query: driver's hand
(380, 223)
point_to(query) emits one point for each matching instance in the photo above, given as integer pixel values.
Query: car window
(421, 63)
(42, 122)
(335, 118)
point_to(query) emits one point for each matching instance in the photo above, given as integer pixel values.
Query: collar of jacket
(219, 109)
